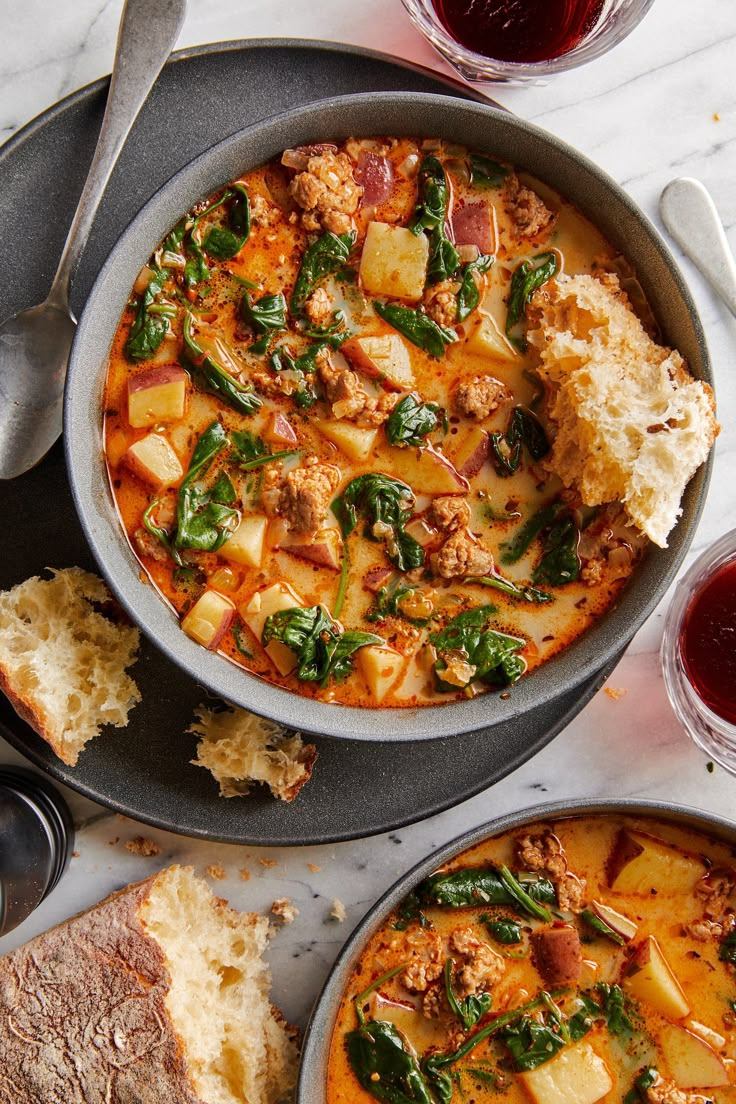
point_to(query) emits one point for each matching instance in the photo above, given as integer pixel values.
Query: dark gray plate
(144, 770)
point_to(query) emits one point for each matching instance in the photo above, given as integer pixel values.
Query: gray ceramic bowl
(316, 1049)
(484, 128)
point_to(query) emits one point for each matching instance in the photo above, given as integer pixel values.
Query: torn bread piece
(240, 748)
(630, 422)
(63, 661)
(157, 994)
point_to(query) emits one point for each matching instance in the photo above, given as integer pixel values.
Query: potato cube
(576, 1075)
(380, 668)
(157, 395)
(487, 340)
(641, 863)
(692, 1062)
(394, 262)
(654, 982)
(355, 441)
(384, 357)
(154, 461)
(209, 619)
(280, 431)
(324, 548)
(277, 597)
(245, 546)
(471, 453)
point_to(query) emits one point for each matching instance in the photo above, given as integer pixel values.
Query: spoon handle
(147, 34)
(691, 217)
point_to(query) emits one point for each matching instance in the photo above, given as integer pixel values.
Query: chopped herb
(417, 327)
(411, 420)
(322, 650)
(386, 504)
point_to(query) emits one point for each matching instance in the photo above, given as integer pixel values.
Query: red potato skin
(624, 850)
(281, 430)
(477, 458)
(156, 377)
(558, 955)
(325, 548)
(227, 620)
(377, 577)
(471, 225)
(376, 176)
(363, 363)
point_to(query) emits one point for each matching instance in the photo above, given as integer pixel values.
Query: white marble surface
(662, 104)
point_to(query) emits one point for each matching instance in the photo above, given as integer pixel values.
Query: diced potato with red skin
(377, 577)
(384, 357)
(641, 863)
(157, 395)
(325, 547)
(558, 955)
(154, 461)
(380, 668)
(280, 431)
(472, 452)
(487, 340)
(426, 470)
(246, 544)
(394, 262)
(691, 1061)
(575, 1075)
(272, 599)
(355, 441)
(622, 925)
(653, 981)
(209, 619)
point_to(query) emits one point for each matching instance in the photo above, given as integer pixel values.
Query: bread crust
(83, 1018)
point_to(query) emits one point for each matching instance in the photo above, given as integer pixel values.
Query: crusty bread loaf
(630, 422)
(62, 662)
(240, 748)
(158, 995)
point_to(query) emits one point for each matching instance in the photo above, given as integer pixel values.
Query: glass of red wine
(699, 651)
(523, 40)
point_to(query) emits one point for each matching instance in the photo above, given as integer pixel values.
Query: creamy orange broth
(704, 1026)
(269, 261)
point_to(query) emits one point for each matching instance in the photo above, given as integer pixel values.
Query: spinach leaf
(174, 239)
(614, 1007)
(239, 643)
(601, 927)
(332, 333)
(492, 654)
(507, 932)
(408, 911)
(388, 603)
(205, 518)
(515, 590)
(160, 533)
(727, 949)
(226, 241)
(524, 429)
(280, 360)
(416, 327)
(411, 420)
(531, 1043)
(644, 1081)
(486, 173)
(250, 452)
(217, 378)
(474, 886)
(468, 296)
(560, 563)
(322, 650)
(431, 214)
(443, 257)
(513, 550)
(524, 282)
(471, 1008)
(266, 316)
(151, 322)
(323, 257)
(386, 504)
(523, 898)
(384, 1065)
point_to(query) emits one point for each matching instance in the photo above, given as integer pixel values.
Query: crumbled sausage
(449, 512)
(327, 192)
(592, 571)
(440, 302)
(545, 854)
(306, 493)
(530, 218)
(432, 1002)
(343, 389)
(427, 960)
(479, 396)
(462, 555)
(147, 545)
(667, 1092)
(704, 930)
(716, 889)
(481, 967)
(263, 213)
(318, 307)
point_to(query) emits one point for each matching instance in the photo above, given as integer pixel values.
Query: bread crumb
(112, 842)
(338, 911)
(245, 873)
(268, 862)
(283, 908)
(716, 117)
(214, 870)
(614, 692)
(314, 868)
(139, 845)
(75, 854)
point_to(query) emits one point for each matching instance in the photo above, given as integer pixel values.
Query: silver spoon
(690, 215)
(35, 343)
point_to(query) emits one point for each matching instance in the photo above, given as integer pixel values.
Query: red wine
(519, 30)
(708, 642)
